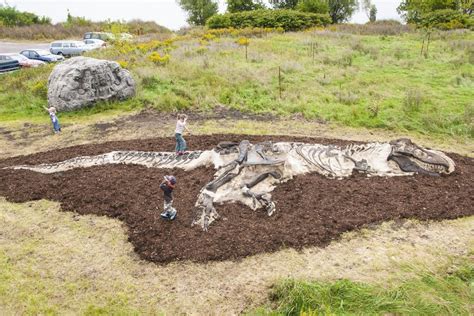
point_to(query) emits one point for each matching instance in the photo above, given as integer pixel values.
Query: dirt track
(311, 210)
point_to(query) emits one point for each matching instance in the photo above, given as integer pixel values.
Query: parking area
(16, 47)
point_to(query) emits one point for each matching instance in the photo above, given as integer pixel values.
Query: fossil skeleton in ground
(250, 172)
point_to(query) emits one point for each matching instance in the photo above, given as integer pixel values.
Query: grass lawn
(359, 81)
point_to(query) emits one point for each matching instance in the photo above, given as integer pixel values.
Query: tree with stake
(243, 41)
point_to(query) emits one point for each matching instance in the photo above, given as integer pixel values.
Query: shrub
(220, 21)
(157, 59)
(382, 27)
(289, 20)
(124, 64)
(447, 20)
(414, 98)
(150, 82)
(243, 41)
(40, 89)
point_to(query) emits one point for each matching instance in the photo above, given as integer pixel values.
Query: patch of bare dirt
(150, 116)
(311, 209)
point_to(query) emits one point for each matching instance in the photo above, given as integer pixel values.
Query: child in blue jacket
(167, 186)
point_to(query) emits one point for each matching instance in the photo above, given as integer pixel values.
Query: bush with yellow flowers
(159, 60)
(123, 63)
(243, 41)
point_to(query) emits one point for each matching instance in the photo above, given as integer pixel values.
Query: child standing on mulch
(167, 186)
(54, 119)
(180, 127)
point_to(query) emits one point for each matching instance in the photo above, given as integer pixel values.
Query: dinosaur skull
(412, 158)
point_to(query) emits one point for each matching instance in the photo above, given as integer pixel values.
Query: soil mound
(311, 209)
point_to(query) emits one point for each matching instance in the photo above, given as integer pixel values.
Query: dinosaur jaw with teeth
(409, 163)
(413, 158)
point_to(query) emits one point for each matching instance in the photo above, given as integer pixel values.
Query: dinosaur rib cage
(326, 159)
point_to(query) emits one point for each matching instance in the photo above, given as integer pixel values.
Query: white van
(68, 48)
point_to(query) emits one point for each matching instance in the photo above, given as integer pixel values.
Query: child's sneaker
(172, 216)
(165, 215)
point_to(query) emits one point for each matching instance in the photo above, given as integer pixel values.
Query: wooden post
(422, 46)
(428, 44)
(314, 48)
(279, 80)
(246, 55)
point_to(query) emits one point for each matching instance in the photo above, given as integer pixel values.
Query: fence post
(279, 80)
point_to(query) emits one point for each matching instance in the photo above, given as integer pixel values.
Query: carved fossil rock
(82, 81)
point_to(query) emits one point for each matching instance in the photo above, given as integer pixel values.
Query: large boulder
(82, 81)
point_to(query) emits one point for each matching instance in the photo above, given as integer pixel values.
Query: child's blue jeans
(180, 143)
(56, 126)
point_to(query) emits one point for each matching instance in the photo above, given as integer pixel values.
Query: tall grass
(429, 293)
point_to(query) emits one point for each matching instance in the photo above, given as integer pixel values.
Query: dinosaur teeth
(430, 167)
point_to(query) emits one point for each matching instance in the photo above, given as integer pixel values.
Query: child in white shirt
(180, 128)
(54, 119)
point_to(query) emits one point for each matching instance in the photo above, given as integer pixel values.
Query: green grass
(358, 81)
(429, 293)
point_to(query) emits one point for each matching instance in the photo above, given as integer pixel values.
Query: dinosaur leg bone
(264, 199)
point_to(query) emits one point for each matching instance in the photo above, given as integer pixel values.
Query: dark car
(99, 35)
(41, 54)
(8, 64)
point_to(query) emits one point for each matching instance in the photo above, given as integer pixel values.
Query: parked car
(26, 62)
(107, 36)
(68, 48)
(41, 54)
(99, 35)
(95, 43)
(8, 64)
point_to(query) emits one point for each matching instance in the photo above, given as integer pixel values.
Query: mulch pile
(311, 209)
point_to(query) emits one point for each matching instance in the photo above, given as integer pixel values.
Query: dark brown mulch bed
(311, 209)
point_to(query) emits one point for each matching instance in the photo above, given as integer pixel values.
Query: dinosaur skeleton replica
(248, 173)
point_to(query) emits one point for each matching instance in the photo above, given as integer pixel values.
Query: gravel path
(16, 47)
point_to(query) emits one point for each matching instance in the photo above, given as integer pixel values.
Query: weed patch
(429, 293)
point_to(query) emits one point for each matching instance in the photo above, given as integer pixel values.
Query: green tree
(243, 5)
(198, 10)
(342, 10)
(373, 13)
(284, 4)
(10, 16)
(413, 10)
(72, 21)
(313, 6)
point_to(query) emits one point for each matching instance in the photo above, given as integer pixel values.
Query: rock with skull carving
(82, 81)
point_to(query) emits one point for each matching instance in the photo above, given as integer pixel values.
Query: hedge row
(447, 20)
(289, 20)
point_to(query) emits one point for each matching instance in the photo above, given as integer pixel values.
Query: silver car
(68, 48)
